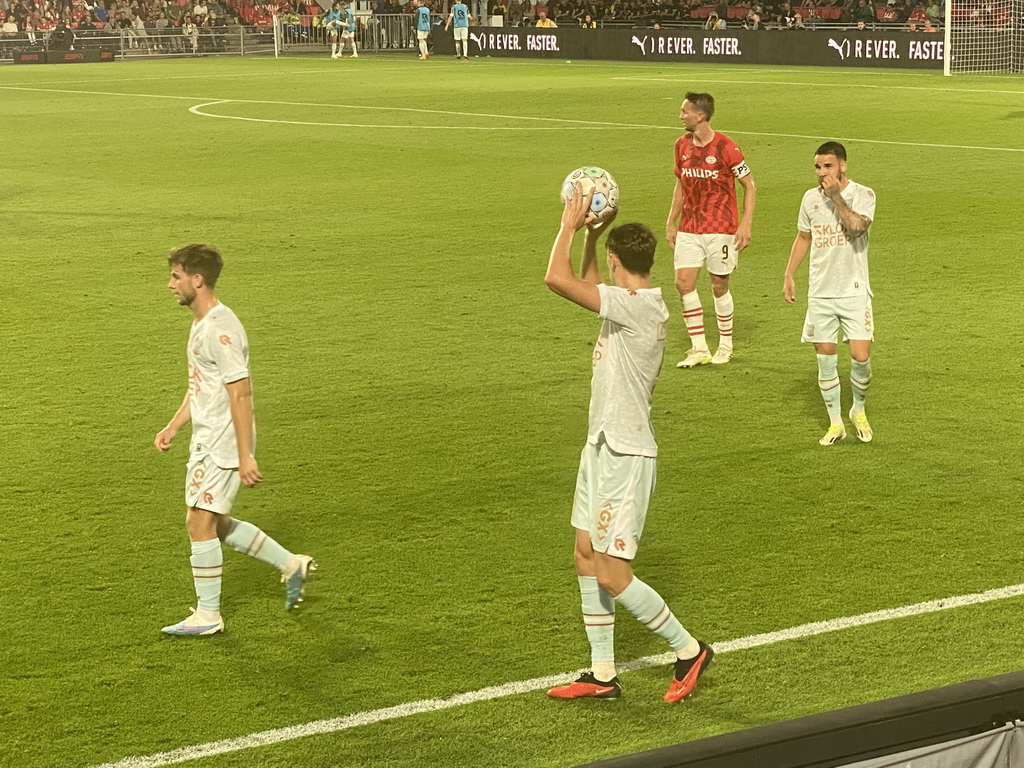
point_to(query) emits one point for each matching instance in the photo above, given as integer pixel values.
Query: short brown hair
(634, 245)
(199, 259)
(832, 148)
(702, 102)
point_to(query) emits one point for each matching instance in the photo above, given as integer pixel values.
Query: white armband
(741, 170)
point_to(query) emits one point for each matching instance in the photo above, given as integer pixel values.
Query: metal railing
(374, 33)
(232, 40)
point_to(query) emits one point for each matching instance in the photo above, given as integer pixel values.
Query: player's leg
(352, 40)
(722, 259)
(422, 39)
(821, 328)
(250, 540)
(858, 327)
(689, 256)
(626, 484)
(597, 605)
(207, 560)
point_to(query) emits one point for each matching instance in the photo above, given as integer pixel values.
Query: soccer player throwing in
(422, 27)
(218, 402)
(617, 467)
(704, 228)
(833, 225)
(460, 15)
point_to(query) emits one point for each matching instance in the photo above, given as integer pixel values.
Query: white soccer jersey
(839, 265)
(627, 361)
(218, 354)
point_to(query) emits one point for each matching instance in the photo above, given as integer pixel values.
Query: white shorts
(825, 316)
(612, 494)
(421, 35)
(462, 33)
(210, 487)
(718, 252)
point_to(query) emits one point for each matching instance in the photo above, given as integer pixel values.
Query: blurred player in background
(617, 468)
(422, 27)
(460, 15)
(348, 31)
(218, 402)
(704, 228)
(835, 218)
(333, 23)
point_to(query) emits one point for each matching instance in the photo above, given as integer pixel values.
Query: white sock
(828, 383)
(693, 316)
(250, 540)
(354, 47)
(207, 561)
(599, 620)
(423, 47)
(651, 609)
(860, 380)
(723, 311)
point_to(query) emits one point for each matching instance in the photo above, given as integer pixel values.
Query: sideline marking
(335, 724)
(206, 101)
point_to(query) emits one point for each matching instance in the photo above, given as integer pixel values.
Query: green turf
(422, 398)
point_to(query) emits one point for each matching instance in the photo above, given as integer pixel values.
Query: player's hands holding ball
(577, 210)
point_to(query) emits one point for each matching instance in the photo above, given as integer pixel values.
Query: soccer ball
(606, 190)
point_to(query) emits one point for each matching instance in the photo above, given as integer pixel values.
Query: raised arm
(560, 277)
(854, 224)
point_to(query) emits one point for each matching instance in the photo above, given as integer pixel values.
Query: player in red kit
(704, 227)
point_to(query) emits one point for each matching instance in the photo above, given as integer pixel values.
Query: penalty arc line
(336, 724)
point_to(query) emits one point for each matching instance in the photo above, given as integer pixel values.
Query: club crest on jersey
(710, 159)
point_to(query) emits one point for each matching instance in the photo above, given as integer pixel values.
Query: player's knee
(685, 284)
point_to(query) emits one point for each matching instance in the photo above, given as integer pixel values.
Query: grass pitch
(422, 400)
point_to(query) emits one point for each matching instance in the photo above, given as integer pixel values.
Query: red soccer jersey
(708, 175)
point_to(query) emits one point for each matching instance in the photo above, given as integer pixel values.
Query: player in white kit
(218, 402)
(834, 223)
(617, 467)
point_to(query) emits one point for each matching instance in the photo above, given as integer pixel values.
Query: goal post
(984, 36)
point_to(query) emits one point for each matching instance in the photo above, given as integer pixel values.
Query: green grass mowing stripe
(277, 735)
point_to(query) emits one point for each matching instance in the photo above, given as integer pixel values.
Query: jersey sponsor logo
(195, 379)
(828, 235)
(710, 159)
(597, 353)
(700, 173)
(225, 339)
(620, 545)
(208, 498)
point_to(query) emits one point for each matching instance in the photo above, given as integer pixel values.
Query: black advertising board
(829, 48)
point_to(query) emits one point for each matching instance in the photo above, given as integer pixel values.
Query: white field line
(335, 724)
(207, 101)
(811, 85)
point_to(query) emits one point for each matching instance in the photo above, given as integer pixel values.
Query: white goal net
(984, 36)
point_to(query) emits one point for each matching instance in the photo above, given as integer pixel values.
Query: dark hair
(197, 259)
(832, 148)
(702, 102)
(634, 244)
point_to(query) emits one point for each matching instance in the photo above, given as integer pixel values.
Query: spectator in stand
(498, 8)
(9, 28)
(890, 15)
(160, 29)
(587, 22)
(544, 22)
(798, 21)
(190, 33)
(713, 22)
(932, 12)
(752, 20)
(929, 27)
(917, 15)
(864, 13)
(861, 26)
